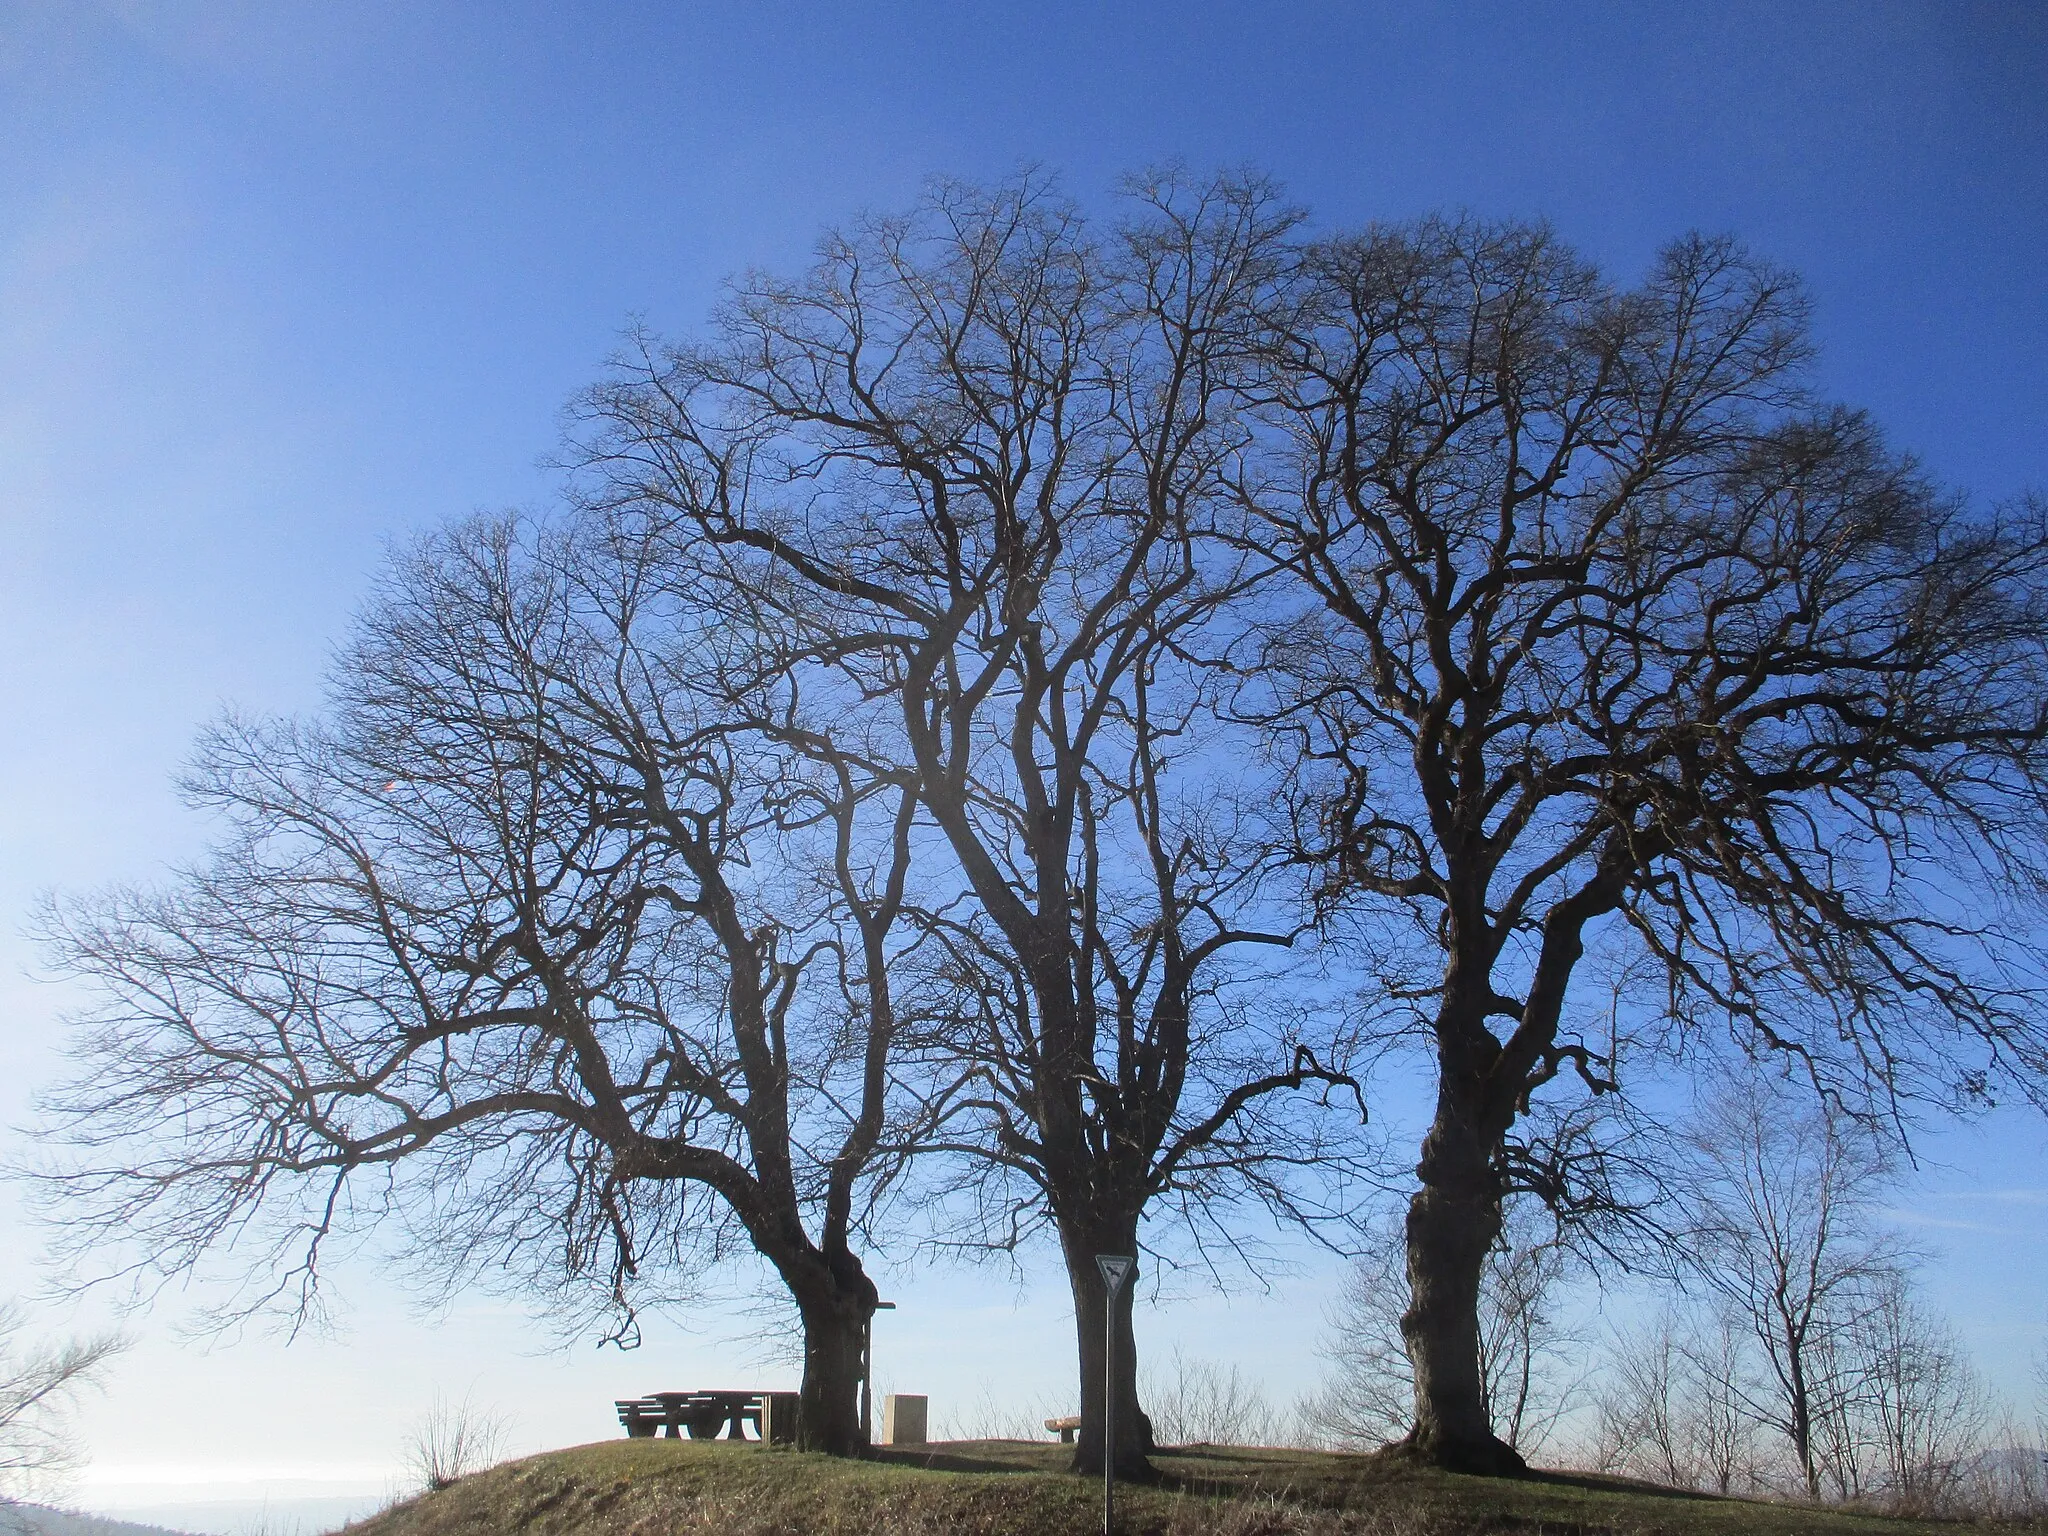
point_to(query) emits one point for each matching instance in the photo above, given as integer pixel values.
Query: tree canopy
(972, 692)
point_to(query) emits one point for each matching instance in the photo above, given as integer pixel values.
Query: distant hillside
(40, 1520)
(275, 1514)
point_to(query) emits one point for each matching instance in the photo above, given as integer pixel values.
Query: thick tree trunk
(1452, 1222)
(1133, 1428)
(836, 1309)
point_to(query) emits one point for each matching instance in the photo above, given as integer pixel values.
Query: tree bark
(1802, 1410)
(1452, 1223)
(1133, 1427)
(836, 1307)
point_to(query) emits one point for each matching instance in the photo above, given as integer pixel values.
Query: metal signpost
(1116, 1269)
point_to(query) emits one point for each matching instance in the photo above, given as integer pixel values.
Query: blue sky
(280, 282)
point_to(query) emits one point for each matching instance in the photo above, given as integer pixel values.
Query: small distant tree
(39, 1385)
(1198, 1402)
(1644, 1429)
(1672, 1405)
(1809, 1334)
(1524, 1333)
(1917, 1409)
(1367, 1394)
(2041, 1396)
(1783, 1236)
(1722, 1431)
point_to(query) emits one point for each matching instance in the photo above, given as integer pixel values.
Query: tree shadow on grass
(976, 1456)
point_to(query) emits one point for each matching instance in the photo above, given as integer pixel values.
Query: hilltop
(1016, 1488)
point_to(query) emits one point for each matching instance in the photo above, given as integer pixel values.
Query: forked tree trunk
(1452, 1223)
(1133, 1428)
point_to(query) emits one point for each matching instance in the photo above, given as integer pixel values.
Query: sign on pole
(1116, 1269)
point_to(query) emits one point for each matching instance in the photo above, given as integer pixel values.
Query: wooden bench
(703, 1414)
(1065, 1428)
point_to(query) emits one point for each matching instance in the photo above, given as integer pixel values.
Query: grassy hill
(1014, 1488)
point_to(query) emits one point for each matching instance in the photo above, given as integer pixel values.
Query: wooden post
(778, 1417)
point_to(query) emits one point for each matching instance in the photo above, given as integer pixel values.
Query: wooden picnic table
(703, 1413)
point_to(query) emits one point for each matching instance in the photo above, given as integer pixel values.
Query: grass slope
(1013, 1488)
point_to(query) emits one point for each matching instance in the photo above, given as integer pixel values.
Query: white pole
(1109, 1415)
(1116, 1269)
(867, 1371)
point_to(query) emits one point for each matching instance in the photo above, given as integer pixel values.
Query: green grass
(1014, 1488)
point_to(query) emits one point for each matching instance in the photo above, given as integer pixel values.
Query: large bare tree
(965, 462)
(555, 941)
(1607, 632)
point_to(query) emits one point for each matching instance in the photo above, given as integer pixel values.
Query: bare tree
(2041, 1400)
(1816, 1337)
(1644, 1429)
(1673, 1406)
(556, 943)
(963, 463)
(1723, 1433)
(1783, 1235)
(1524, 1332)
(38, 1386)
(1918, 1407)
(1198, 1402)
(1610, 633)
(1368, 1391)
(997, 1414)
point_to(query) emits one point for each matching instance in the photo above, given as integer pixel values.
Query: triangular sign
(1116, 1268)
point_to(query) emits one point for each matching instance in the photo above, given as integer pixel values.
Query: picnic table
(702, 1413)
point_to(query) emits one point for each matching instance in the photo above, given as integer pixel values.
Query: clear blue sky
(280, 281)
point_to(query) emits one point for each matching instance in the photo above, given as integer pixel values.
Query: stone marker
(903, 1417)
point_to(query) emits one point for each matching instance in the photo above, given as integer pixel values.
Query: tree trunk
(836, 1310)
(1802, 1412)
(1133, 1428)
(1452, 1223)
